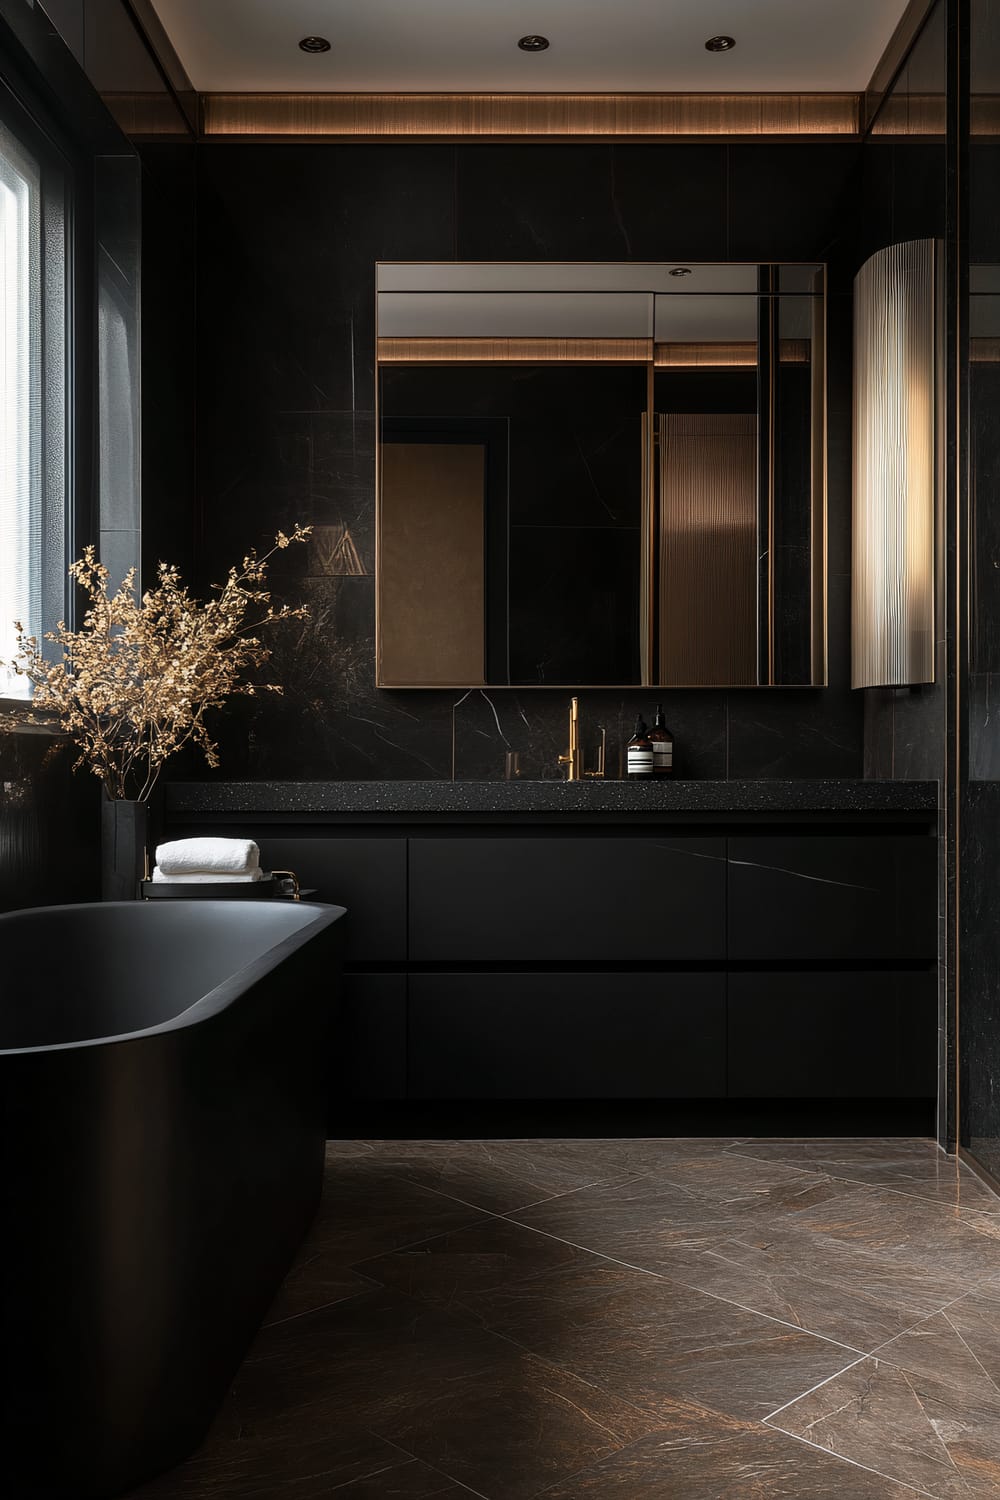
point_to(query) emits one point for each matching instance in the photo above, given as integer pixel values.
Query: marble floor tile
(611, 1319)
(941, 1436)
(436, 1383)
(615, 1220)
(453, 1267)
(500, 1184)
(749, 1465)
(366, 1210)
(654, 1341)
(837, 1292)
(314, 1282)
(917, 1168)
(263, 1467)
(949, 1241)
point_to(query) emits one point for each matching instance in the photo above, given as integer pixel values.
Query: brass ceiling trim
(681, 356)
(527, 117)
(480, 351)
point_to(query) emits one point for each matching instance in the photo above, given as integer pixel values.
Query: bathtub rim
(214, 1001)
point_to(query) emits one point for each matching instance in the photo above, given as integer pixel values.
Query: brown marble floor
(602, 1320)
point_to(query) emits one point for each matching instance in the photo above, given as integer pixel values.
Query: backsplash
(285, 424)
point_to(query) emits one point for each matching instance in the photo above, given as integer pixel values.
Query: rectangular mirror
(601, 475)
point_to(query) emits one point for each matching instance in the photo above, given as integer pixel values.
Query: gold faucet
(573, 758)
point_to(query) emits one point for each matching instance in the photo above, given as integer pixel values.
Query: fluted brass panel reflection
(719, 356)
(892, 640)
(512, 117)
(531, 351)
(708, 549)
(681, 356)
(432, 584)
(912, 114)
(984, 112)
(147, 114)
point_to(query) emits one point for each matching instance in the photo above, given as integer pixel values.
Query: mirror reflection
(600, 475)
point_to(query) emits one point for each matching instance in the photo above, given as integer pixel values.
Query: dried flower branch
(135, 682)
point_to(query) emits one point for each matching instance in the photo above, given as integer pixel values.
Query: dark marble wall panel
(168, 357)
(287, 241)
(979, 856)
(49, 826)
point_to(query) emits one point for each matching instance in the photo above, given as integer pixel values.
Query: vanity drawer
(853, 898)
(368, 876)
(567, 1036)
(369, 1039)
(833, 1036)
(523, 899)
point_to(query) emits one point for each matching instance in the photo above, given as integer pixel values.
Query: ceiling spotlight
(314, 44)
(680, 271)
(533, 43)
(720, 44)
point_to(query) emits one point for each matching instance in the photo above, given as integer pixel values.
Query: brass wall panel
(513, 117)
(895, 414)
(680, 356)
(432, 584)
(708, 549)
(904, 114)
(532, 351)
(984, 110)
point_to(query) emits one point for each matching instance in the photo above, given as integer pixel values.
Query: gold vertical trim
(819, 624)
(513, 117)
(772, 443)
(652, 527)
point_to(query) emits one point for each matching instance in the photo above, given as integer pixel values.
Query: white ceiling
(467, 46)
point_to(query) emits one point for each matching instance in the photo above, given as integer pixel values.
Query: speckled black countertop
(401, 797)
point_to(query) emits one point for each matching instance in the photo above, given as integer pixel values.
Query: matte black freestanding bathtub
(163, 1078)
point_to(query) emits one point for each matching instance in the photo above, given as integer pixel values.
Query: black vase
(124, 836)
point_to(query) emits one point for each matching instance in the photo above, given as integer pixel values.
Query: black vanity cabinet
(609, 956)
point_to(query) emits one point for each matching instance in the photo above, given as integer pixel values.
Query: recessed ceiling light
(680, 271)
(533, 43)
(720, 44)
(314, 44)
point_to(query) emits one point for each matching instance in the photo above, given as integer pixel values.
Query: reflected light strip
(892, 637)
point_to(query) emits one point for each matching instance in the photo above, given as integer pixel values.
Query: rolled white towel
(209, 855)
(204, 877)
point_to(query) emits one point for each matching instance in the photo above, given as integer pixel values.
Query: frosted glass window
(20, 393)
(32, 403)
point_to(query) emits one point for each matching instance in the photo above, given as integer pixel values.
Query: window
(33, 374)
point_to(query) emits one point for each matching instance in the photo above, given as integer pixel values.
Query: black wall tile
(537, 203)
(788, 732)
(791, 202)
(285, 393)
(671, 201)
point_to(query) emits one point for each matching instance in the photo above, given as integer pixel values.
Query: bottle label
(640, 761)
(663, 755)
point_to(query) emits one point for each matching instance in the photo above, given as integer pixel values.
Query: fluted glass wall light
(895, 466)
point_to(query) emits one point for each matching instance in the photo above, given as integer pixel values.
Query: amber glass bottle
(663, 745)
(639, 752)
